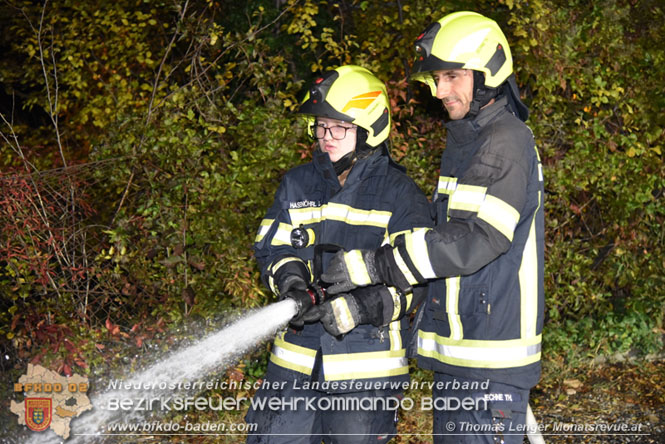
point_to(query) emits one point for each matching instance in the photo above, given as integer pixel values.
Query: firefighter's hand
(304, 301)
(291, 274)
(348, 270)
(338, 316)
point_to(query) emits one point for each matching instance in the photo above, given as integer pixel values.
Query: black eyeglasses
(336, 132)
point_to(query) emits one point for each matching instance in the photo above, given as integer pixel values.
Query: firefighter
(480, 327)
(350, 348)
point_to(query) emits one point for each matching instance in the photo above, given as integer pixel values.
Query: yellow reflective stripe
(274, 267)
(312, 237)
(467, 198)
(397, 303)
(354, 216)
(365, 365)
(528, 278)
(446, 185)
(283, 235)
(277, 265)
(263, 229)
(393, 236)
(499, 214)
(310, 267)
(355, 264)
(452, 307)
(395, 335)
(343, 316)
(305, 216)
(342, 213)
(480, 354)
(540, 165)
(291, 356)
(417, 249)
(404, 268)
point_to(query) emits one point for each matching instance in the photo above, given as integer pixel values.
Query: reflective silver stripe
(355, 265)
(452, 307)
(304, 216)
(467, 198)
(540, 165)
(480, 354)
(397, 303)
(283, 235)
(528, 278)
(292, 356)
(343, 315)
(365, 365)
(339, 212)
(500, 215)
(416, 246)
(394, 331)
(446, 185)
(263, 229)
(403, 267)
(540, 172)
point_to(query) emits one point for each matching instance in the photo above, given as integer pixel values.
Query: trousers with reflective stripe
(367, 358)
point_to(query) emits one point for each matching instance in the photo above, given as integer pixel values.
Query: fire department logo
(38, 413)
(50, 401)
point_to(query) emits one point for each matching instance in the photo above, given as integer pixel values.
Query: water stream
(211, 354)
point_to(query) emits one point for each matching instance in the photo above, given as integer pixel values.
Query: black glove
(291, 274)
(304, 301)
(369, 305)
(358, 268)
(348, 270)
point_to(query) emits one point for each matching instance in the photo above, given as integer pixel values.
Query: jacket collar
(375, 164)
(465, 130)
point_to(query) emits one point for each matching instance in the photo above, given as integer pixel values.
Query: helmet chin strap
(344, 163)
(361, 151)
(482, 95)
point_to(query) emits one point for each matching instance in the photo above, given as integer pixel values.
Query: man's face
(455, 89)
(343, 142)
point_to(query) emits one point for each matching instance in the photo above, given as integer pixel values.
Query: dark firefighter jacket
(485, 317)
(377, 203)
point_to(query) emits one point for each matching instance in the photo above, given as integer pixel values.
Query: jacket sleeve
(276, 257)
(482, 212)
(411, 215)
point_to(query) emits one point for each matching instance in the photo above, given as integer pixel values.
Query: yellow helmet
(352, 94)
(463, 40)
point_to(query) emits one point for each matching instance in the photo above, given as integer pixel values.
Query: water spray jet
(213, 353)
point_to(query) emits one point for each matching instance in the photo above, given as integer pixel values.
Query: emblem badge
(38, 413)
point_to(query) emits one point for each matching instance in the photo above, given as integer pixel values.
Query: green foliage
(597, 118)
(183, 117)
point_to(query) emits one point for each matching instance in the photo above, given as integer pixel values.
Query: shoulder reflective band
(283, 235)
(342, 213)
(263, 229)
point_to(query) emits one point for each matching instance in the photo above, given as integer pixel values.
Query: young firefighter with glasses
(482, 321)
(347, 351)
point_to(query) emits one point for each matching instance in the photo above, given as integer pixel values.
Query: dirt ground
(621, 402)
(608, 403)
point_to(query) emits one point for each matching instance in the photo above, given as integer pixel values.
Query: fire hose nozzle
(317, 294)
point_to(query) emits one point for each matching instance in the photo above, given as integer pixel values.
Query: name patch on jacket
(304, 204)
